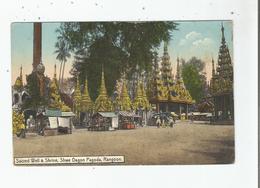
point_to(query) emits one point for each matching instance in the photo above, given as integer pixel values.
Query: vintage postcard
(123, 93)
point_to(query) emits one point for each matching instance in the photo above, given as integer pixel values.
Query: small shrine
(103, 102)
(167, 93)
(221, 84)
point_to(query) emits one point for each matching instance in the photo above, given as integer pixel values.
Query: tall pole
(37, 44)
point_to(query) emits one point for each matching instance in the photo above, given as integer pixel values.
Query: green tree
(194, 78)
(118, 46)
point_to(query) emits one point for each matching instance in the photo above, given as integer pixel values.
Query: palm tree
(62, 55)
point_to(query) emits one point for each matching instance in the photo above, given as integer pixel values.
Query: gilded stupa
(18, 85)
(178, 91)
(125, 101)
(86, 102)
(55, 98)
(141, 100)
(103, 103)
(77, 98)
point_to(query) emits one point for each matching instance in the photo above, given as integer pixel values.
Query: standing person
(30, 122)
(192, 117)
(158, 122)
(41, 126)
(171, 122)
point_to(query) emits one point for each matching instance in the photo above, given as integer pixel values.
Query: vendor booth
(104, 121)
(128, 120)
(59, 122)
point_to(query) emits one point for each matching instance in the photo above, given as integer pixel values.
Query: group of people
(165, 121)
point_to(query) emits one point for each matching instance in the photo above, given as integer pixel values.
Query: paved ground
(186, 143)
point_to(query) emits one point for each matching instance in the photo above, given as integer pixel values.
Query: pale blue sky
(194, 38)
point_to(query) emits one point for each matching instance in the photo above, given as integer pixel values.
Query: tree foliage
(117, 46)
(194, 78)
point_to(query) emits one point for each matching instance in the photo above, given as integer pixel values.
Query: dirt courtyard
(186, 143)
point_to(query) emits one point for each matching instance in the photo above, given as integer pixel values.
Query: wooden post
(158, 107)
(180, 110)
(187, 110)
(167, 107)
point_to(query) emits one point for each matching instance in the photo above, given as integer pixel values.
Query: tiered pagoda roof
(166, 70)
(222, 78)
(18, 85)
(55, 97)
(77, 98)
(141, 100)
(164, 87)
(103, 103)
(125, 101)
(86, 102)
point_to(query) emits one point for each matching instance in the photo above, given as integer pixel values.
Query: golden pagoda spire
(54, 93)
(103, 103)
(103, 90)
(223, 34)
(19, 80)
(77, 98)
(178, 69)
(140, 100)
(166, 70)
(86, 102)
(125, 101)
(213, 68)
(55, 75)
(21, 74)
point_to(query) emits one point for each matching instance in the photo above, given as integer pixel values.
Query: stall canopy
(67, 114)
(107, 114)
(113, 116)
(58, 113)
(53, 113)
(128, 114)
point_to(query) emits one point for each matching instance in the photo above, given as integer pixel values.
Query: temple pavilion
(166, 93)
(221, 84)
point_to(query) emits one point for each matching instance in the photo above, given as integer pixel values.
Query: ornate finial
(86, 102)
(55, 75)
(178, 69)
(222, 31)
(165, 49)
(103, 85)
(213, 67)
(77, 98)
(21, 74)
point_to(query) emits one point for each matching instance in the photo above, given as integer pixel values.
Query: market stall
(128, 120)
(58, 122)
(104, 121)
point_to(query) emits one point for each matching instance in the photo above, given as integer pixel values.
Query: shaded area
(223, 155)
